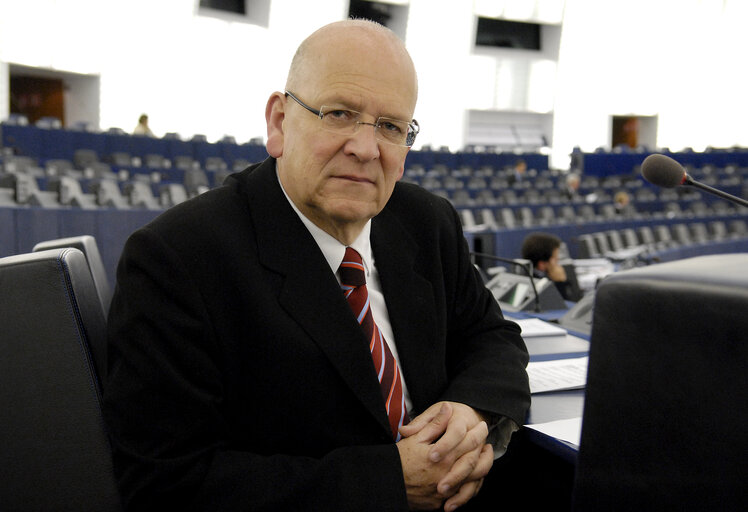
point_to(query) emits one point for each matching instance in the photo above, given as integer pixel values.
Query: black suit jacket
(239, 378)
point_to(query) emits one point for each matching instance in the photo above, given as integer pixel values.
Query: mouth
(354, 179)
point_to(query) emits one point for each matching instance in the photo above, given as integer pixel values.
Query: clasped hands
(444, 456)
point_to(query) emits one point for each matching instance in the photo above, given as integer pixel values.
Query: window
(233, 6)
(507, 34)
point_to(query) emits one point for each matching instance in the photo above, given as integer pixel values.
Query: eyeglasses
(346, 122)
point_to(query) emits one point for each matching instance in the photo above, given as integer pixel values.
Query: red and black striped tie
(353, 283)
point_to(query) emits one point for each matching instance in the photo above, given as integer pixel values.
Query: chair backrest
(141, 195)
(602, 242)
(588, 247)
(54, 453)
(71, 193)
(682, 234)
(662, 234)
(647, 235)
(739, 228)
(7, 197)
(615, 240)
(84, 157)
(489, 219)
(172, 194)
(629, 235)
(718, 230)
(664, 415)
(87, 245)
(108, 194)
(507, 218)
(699, 232)
(467, 218)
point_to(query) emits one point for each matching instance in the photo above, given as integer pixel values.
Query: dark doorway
(625, 131)
(37, 97)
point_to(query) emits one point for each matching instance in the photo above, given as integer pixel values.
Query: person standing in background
(142, 127)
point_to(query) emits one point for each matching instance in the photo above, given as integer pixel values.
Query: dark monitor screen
(507, 34)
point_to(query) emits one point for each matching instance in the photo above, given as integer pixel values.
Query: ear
(274, 115)
(542, 266)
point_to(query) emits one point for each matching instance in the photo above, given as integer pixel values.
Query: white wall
(678, 59)
(681, 60)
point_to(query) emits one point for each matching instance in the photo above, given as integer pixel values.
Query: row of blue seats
(608, 163)
(509, 217)
(502, 178)
(645, 198)
(660, 242)
(506, 242)
(47, 143)
(23, 227)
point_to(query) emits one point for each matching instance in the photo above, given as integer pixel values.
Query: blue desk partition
(117, 143)
(24, 140)
(429, 159)
(33, 225)
(113, 227)
(607, 164)
(22, 228)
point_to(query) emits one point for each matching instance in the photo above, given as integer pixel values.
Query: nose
(363, 143)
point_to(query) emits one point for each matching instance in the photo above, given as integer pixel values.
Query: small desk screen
(516, 294)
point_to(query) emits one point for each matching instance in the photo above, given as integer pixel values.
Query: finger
(472, 466)
(420, 421)
(459, 439)
(459, 473)
(437, 425)
(465, 494)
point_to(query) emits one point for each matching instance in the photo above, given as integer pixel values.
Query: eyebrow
(356, 106)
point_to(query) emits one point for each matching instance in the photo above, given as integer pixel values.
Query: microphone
(525, 265)
(665, 172)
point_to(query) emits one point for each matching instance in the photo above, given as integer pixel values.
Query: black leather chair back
(54, 450)
(665, 415)
(87, 245)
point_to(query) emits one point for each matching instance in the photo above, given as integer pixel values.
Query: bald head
(348, 41)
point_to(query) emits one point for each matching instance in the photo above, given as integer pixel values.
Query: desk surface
(555, 405)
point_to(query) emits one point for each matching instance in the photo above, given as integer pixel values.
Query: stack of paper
(557, 375)
(535, 327)
(569, 430)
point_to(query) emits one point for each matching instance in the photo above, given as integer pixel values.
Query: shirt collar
(331, 248)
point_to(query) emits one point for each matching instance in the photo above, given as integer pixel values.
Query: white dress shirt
(334, 251)
(500, 428)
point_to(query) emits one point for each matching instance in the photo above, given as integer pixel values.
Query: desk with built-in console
(538, 470)
(660, 426)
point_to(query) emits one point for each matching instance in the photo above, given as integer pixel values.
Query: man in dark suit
(239, 377)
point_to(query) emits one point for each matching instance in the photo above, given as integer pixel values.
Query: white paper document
(535, 327)
(558, 374)
(569, 430)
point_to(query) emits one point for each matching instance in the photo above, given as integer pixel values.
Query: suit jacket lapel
(410, 303)
(310, 294)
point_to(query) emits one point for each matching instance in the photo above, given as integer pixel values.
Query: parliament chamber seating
(69, 171)
(119, 182)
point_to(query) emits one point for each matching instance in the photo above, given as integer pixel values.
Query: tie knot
(352, 269)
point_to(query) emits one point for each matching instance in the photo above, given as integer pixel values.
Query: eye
(391, 127)
(340, 115)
